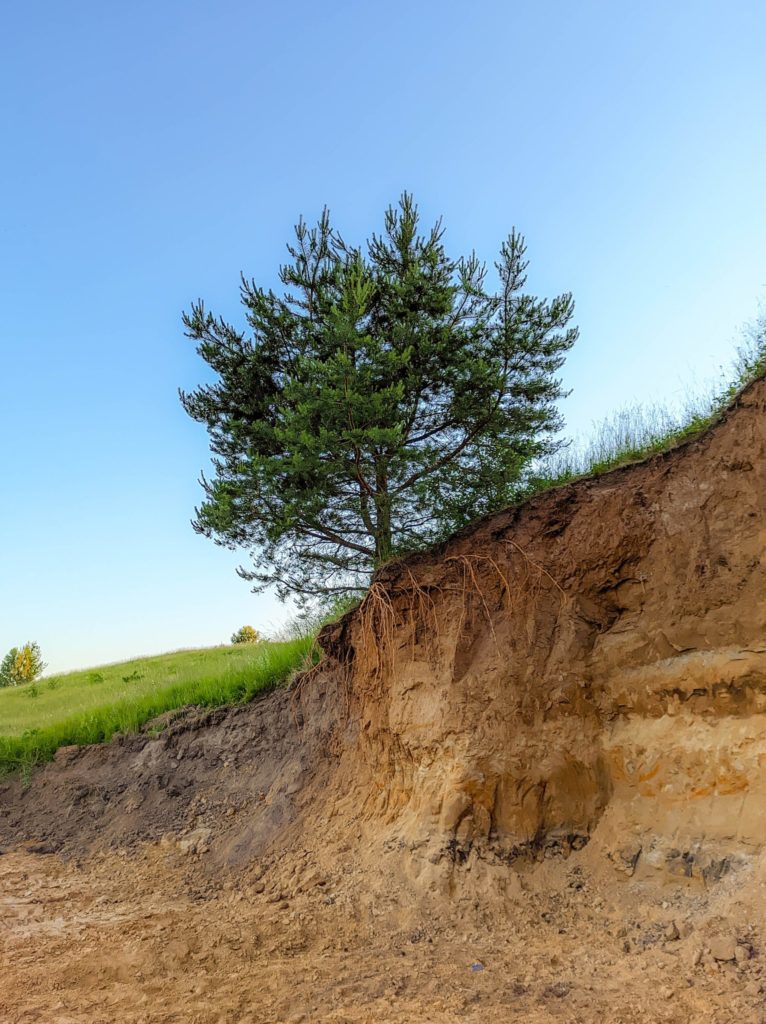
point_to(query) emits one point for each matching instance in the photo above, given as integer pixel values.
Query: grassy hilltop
(92, 705)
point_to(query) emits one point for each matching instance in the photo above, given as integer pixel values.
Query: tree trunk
(383, 540)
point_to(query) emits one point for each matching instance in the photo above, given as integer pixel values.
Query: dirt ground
(151, 936)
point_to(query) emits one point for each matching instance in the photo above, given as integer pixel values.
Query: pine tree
(384, 400)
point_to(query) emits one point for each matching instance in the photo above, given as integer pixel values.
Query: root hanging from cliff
(500, 589)
(377, 621)
(529, 582)
(471, 584)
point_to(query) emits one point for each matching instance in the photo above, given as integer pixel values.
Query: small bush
(246, 635)
(21, 665)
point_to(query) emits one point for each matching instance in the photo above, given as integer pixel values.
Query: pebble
(558, 990)
(723, 948)
(741, 954)
(671, 932)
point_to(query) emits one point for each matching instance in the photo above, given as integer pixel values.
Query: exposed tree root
(501, 587)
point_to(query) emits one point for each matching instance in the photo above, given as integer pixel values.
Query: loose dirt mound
(527, 782)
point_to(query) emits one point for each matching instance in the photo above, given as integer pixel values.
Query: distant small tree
(246, 635)
(21, 665)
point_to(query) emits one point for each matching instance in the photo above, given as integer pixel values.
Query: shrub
(246, 635)
(21, 665)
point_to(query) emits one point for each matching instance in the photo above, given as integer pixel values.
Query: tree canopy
(384, 399)
(21, 665)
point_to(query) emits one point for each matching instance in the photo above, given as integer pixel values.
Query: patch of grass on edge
(271, 666)
(636, 432)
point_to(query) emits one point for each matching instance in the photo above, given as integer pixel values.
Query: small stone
(741, 954)
(197, 841)
(557, 990)
(723, 948)
(695, 956)
(666, 992)
(671, 932)
(626, 859)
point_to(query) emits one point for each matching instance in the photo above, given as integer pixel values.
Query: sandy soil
(150, 936)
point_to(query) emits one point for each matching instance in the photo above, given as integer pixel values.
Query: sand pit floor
(145, 937)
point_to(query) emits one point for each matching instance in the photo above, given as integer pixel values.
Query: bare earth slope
(528, 782)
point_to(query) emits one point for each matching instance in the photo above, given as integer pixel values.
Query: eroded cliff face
(590, 666)
(585, 672)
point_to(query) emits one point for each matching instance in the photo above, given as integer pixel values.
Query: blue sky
(151, 151)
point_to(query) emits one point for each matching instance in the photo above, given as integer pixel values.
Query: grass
(628, 435)
(638, 431)
(92, 705)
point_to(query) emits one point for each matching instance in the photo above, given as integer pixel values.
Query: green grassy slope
(91, 706)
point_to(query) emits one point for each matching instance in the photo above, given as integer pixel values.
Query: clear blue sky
(151, 151)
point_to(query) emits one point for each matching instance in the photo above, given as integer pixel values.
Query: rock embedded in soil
(671, 932)
(723, 948)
